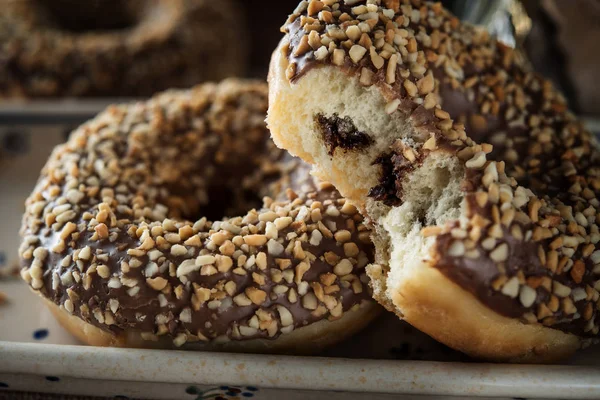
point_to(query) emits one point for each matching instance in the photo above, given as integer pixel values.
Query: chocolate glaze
(221, 321)
(477, 275)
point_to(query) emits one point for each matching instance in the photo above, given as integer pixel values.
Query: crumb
(3, 298)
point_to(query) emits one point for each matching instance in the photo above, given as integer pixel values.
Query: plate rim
(294, 372)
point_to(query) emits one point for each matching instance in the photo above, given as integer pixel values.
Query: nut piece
(478, 161)
(511, 288)
(286, 317)
(157, 283)
(500, 253)
(103, 271)
(411, 88)
(527, 296)
(203, 294)
(186, 267)
(309, 301)
(255, 240)
(426, 84)
(242, 300)
(560, 290)
(301, 269)
(256, 295)
(338, 56)
(343, 268)
(357, 52)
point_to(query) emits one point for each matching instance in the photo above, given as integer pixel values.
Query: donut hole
(225, 203)
(89, 16)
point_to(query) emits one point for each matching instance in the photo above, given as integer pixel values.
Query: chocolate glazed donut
(482, 187)
(116, 238)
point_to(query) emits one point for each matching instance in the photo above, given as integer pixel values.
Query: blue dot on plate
(3, 385)
(252, 388)
(191, 390)
(224, 387)
(53, 378)
(40, 334)
(247, 394)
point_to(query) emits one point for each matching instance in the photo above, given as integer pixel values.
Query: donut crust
(434, 304)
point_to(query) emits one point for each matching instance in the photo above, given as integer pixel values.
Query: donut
(99, 48)
(117, 242)
(480, 186)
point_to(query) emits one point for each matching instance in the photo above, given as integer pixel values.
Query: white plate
(36, 354)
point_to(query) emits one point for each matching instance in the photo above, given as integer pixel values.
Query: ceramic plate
(389, 358)
(36, 354)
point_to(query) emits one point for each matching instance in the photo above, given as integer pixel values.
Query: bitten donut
(67, 48)
(489, 248)
(116, 239)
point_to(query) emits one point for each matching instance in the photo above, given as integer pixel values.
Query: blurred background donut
(97, 48)
(114, 48)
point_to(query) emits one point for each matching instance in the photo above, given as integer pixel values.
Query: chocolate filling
(341, 132)
(394, 166)
(386, 190)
